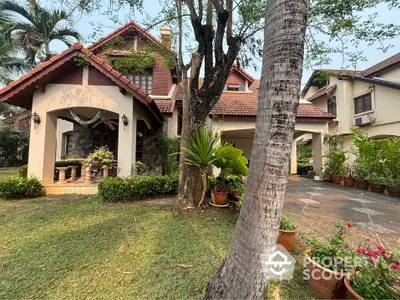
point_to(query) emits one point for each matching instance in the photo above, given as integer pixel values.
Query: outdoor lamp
(36, 119)
(124, 120)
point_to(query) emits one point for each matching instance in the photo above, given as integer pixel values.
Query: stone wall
(82, 141)
(151, 154)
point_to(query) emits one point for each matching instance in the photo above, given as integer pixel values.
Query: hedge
(116, 189)
(19, 188)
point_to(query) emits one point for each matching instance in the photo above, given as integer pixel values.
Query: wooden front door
(104, 136)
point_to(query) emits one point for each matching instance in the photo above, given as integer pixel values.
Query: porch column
(126, 145)
(293, 157)
(42, 148)
(317, 152)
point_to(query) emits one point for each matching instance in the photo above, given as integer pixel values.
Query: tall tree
(34, 27)
(241, 276)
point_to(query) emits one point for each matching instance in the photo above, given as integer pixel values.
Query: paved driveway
(317, 206)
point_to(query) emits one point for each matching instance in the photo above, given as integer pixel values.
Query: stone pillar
(293, 158)
(73, 173)
(42, 147)
(317, 152)
(61, 174)
(88, 176)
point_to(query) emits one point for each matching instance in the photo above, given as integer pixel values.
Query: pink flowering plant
(333, 253)
(379, 276)
(101, 158)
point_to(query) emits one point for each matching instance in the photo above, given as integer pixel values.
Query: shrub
(126, 189)
(303, 168)
(23, 171)
(169, 148)
(18, 187)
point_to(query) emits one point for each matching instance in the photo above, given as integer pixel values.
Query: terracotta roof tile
(382, 65)
(43, 69)
(255, 86)
(326, 91)
(246, 104)
(166, 106)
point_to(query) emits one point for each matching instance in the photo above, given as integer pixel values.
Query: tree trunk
(240, 275)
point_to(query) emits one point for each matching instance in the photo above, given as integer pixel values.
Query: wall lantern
(124, 120)
(36, 119)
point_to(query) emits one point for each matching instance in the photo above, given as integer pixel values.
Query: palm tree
(242, 274)
(35, 27)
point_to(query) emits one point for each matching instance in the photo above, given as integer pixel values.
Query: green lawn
(8, 172)
(76, 247)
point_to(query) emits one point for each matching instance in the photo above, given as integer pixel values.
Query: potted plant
(376, 274)
(287, 233)
(236, 187)
(335, 160)
(377, 183)
(393, 186)
(100, 160)
(201, 151)
(231, 161)
(327, 263)
(361, 177)
(348, 179)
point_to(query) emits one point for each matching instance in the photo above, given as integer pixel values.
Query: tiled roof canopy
(246, 104)
(20, 91)
(327, 91)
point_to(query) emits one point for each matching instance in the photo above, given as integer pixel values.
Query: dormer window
(235, 87)
(144, 81)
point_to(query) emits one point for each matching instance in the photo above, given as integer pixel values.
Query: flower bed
(116, 189)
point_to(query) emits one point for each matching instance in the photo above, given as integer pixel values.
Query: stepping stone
(318, 188)
(374, 227)
(359, 200)
(367, 211)
(309, 201)
(314, 194)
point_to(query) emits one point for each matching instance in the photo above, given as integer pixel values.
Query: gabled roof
(19, 92)
(333, 72)
(255, 86)
(243, 73)
(121, 30)
(246, 104)
(381, 65)
(326, 91)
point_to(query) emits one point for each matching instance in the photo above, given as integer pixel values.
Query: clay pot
(348, 181)
(105, 173)
(362, 184)
(393, 190)
(336, 179)
(220, 198)
(287, 238)
(353, 294)
(326, 283)
(377, 187)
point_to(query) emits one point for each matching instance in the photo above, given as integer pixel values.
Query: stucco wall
(42, 152)
(62, 127)
(392, 74)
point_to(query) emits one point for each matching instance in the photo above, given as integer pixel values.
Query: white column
(126, 144)
(42, 147)
(293, 158)
(317, 152)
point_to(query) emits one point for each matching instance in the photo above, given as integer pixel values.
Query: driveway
(318, 206)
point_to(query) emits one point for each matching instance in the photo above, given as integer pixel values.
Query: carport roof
(246, 104)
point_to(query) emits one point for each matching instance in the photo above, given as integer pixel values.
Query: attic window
(235, 87)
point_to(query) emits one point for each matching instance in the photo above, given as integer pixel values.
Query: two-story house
(366, 99)
(80, 100)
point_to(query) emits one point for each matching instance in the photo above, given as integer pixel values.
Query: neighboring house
(132, 108)
(20, 121)
(368, 99)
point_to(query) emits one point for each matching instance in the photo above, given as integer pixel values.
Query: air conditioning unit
(363, 121)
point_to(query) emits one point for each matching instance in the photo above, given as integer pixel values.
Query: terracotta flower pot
(393, 190)
(352, 293)
(220, 198)
(326, 283)
(377, 187)
(336, 179)
(348, 181)
(362, 184)
(287, 239)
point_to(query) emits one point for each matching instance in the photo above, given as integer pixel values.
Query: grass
(78, 247)
(8, 172)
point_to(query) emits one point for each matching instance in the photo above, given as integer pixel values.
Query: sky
(86, 25)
